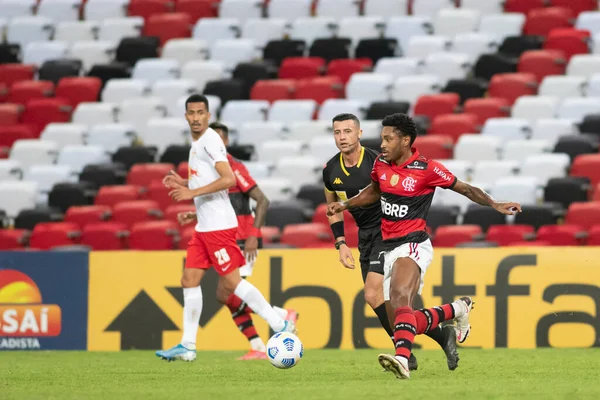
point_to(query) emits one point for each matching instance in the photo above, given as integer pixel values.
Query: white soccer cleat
(289, 327)
(396, 365)
(463, 327)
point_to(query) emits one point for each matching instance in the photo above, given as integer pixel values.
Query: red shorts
(217, 249)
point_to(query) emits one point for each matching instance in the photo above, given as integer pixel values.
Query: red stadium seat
(154, 235)
(11, 239)
(79, 90)
(270, 234)
(596, 193)
(523, 6)
(301, 67)
(320, 89)
(585, 214)
(273, 89)
(10, 113)
(307, 235)
(511, 86)
(186, 235)
(160, 194)
(112, 194)
(542, 63)
(344, 68)
(145, 174)
(593, 238)
(197, 9)
(569, 41)
(561, 235)
(46, 235)
(40, 112)
(452, 235)
(148, 8)
(105, 236)
(587, 165)
(432, 105)
(577, 6)
(530, 243)
(131, 212)
(3, 92)
(435, 146)
(13, 73)
(182, 169)
(84, 215)
(506, 234)
(172, 210)
(455, 125)
(168, 26)
(488, 107)
(23, 91)
(11, 133)
(541, 21)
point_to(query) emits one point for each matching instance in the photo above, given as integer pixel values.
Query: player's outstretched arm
(225, 181)
(479, 196)
(371, 194)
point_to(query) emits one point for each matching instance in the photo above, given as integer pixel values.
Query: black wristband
(338, 229)
(339, 244)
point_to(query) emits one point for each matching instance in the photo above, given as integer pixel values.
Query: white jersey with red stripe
(214, 210)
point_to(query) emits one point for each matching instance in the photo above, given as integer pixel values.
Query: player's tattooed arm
(479, 196)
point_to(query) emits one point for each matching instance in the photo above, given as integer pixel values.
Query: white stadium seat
(138, 111)
(288, 111)
(46, 176)
(28, 152)
(17, 8)
(72, 32)
(589, 21)
(409, 88)
(452, 21)
(309, 29)
(185, 50)
(462, 169)
(95, 113)
(16, 196)
(260, 131)
(332, 107)
(153, 70)
(289, 9)
(203, 71)
(119, 89)
(112, 136)
(489, 171)
(306, 130)
(300, 169)
(232, 52)
(472, 147)
(519, 149)
(262, 31)
(583, 65)
(535, 107)
(422, 46)
(338, 8)
(115, 29)
(485, 7)
(64, 134)
(386, 8)
(369, 87)
(576, 108)
(240, 111)
(474, 44)
(592, 86)
(546, 166)
(258, 169)
(37, 53)
(371, 129)
(430, 7)
(562, 86)
(24, 30)
(213, 29)
(404, 28)
(520, 189)
(59, 10)
(398, 66)
(3, 23)
(551, 129)
(502, 25)
(94, 52)
(447, 65)
(452, 198)
(507, 128)
(358, 28)
(241, 9)
(163, 132)
(273, 150)
(171, 90)
(276, 189)
(77, 157)
(98, 10)
(10, 170)
(322, 148)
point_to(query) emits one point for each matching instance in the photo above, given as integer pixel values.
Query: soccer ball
(284, 350)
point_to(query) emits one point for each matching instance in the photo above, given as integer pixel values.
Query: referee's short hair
(403, 125)
(222, 127)
(346, 117)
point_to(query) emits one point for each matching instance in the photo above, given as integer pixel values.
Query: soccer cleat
(292, 316)
(413, 365)
(289, 327)
(463, 327)
(449, 347)
(254, 355)
(177, 353)
(394, 365)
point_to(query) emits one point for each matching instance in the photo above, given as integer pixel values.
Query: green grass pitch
(322, 374)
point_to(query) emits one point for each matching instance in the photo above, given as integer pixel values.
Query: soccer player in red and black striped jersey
(404, 182)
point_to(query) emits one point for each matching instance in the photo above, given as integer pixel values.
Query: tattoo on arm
(473, 193)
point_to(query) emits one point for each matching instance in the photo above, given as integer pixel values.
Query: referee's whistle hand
(346, 257)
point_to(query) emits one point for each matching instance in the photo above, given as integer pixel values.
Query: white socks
(257, 344)
(255, 300)
(192, 309)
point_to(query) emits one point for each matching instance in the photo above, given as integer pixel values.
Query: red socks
(404, 331)
(241, 316)
(430, 318)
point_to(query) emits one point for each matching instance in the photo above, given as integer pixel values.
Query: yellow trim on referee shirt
(360, 160)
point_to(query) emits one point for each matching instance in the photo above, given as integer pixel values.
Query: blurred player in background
(404, 182)
(214, 241)
(345, 176)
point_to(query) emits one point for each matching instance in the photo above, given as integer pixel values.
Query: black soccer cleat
(413, 365)
(449, 347)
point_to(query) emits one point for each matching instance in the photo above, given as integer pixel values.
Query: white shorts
(246, 269)
(421, 253)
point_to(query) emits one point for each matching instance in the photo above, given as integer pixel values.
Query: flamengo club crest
(394, 180)
(409, 184)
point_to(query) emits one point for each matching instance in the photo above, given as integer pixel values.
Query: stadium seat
(332, 107)
(369, 87)
(569, 41)
(398, 66)
(422, 46)
(103, 174)
(198, 9)
(55, 70)
(546, 166)
(112, 136)
(490, 171)
(185, 50)
(139, 111)
(84, 215)
(454, 125)
(16, 8)
(262, 31)
(542, 63)
(95, 113)
(10, 170)
(12, 73)
(10, 113)
(566, 190)
(11, 239)
(331, 48)
(153, 70)
(203, 72)
(28, 219)
(502, 25)
(379, 110)
(116, 29)
(67, 194)
(358, 28)
(437, 104)
(16, 196)
(159, 193)
(551, 129)
(430, 7)
(587, 165)
(486, 108)
(77, 156)
(98, 10)
(507, 128)
(562, 235)
(148, 8)
(300, 169)
(144, 174)
(520, 149)
(440, 215)
(563, 86)
(541, 21)
(46, 176)
(256, 132)
(11, 133)
(504, 235)
(376, 49)
(588, 21)
(9, 53)
(592, 85)
(466, 88)
(79, 90)
(273, 89)
(289, 9)
(162, 132)
(105, 236)
(452, 235)
(36, 53)
(173, 210)
(404, 27)
(538, 215)
(46, 235)
(591, 124)
(117, 90)
(281, 214)
(576, 145)
(131, 212)
(337, 8)
(490, 65)
(168, 26)
(234, 51)
(485, 7)
(40, 112)
(433, 146)
(484, 217)
(512, 86)
(277, 50)
(59, 10)
(308, 235)
(288, 111)
(154, 235)
(583, 65)
(213, 29)
(111, 195)
(23, 91)
(133, 49)
(129, 156)
(477, 147)
(447, 65)
(240, 111)
(171, 90)
(453, 21)
(522, 189)
(273, 150)
(312, 193)
(410, 88)
(306, 130)
(240, 9)
(523, 6)
(514, 46)
(259, 169)
(345, 68)
(474, 44)
(593, 238)
(535, 107)
(25, 30)
(28, 152)
(92, 53)
(276, 189)
(576, 108)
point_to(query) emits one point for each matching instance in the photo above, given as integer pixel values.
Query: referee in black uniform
(344, 176)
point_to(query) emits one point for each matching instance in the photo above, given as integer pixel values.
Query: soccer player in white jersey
(214, 241)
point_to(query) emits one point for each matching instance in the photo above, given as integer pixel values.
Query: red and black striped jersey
(240, 199)
(406, 194)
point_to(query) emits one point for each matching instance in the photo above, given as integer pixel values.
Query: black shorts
(370, 244)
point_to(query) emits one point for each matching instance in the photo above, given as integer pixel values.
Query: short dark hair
(197, 98)
(403, 125)
(346, 117)
(222, 127)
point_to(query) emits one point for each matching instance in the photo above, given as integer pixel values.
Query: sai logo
(22, 313)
